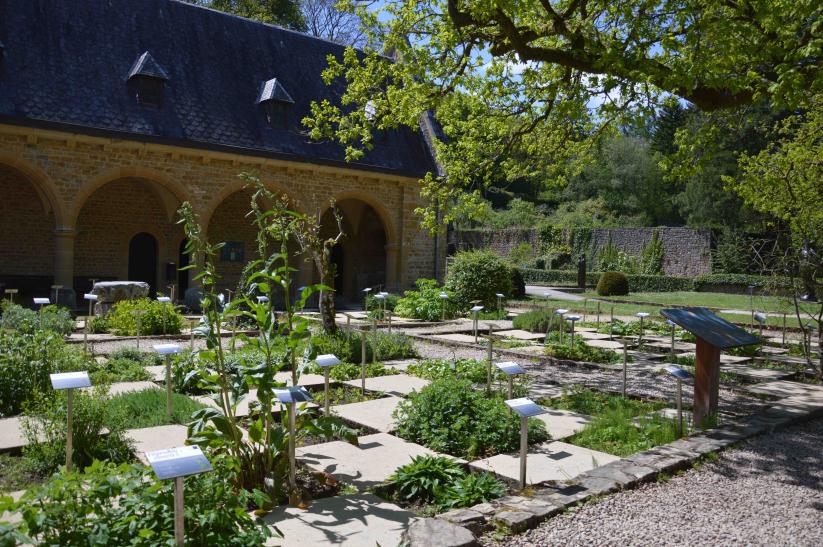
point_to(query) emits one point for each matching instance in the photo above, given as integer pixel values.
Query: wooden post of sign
(524, 448)
(706, 381)
(69, 436)
(179, 512)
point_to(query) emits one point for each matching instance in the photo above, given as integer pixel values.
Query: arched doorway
(27, 244)
(182, 275)
(143, 260)
(360, 257)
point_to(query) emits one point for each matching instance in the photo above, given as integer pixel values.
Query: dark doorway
(143, 260)
(182, 276)
(337, 261)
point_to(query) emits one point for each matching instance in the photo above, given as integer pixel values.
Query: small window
(275, 102)
(148, 81)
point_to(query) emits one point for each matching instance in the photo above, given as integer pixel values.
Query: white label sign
(178, 462)
(511, 368)
(42, 301)
(166, 349)
(70, 380)
(525, 407)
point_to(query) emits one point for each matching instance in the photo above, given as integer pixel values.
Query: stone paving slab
(466, 338)
(366, 465)
(158, 373)
(667, 346)
(785, 388)
(604, 344)
(305, 380)
(395, 384)
(771, 350)
(12, 518)
(531, 349)
(724, 359)
(375, 414)
(148, 439)
(755, 373)
(353, 520)
(563, 423)
(11, 434)
(591, 335)
(520, 334)
(243, 408)
(545, 392)
(554, 461)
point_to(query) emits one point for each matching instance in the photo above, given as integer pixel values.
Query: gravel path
(767, 492)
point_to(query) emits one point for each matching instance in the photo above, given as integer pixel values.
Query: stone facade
(71, 205)
(687, 251)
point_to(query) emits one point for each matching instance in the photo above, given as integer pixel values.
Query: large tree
(520, 84)
(285, 13)
(325, 20)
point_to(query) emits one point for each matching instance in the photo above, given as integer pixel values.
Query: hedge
(732, 283)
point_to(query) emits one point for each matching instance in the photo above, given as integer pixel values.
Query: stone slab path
(158, 373)
(724, 359)
(465, 338)
(395, 384)
(755, 373)
(119, 388)
(785, 388)
(305, 380)
(11, 434)
(352, 520)
(563, 423)
(366, 465)
(554, 461)
(148, 439)
(399, 365)
(375, 414)
(520, 334)
(604, 344)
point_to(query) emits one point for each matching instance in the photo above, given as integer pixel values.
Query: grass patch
(16, 473)
(148, 408)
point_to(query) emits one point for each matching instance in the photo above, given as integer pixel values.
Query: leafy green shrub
(450, 416)
(617, 431)
(534, 320)
(579, 351)
(478, 275)
(54, 318)
(425, 303)
(659, 283)
(26, 360)
(613, 284)
(110, 504)
(557, 278)
(158, 318)
(147, 408)
(437, 369)
(350, 371)
(471, 489)
(45, 430)
(423, 479)
(347, 346)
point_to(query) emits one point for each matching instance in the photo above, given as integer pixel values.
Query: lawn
(713, 300)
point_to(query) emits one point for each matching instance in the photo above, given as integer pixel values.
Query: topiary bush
(425, 302)
(478, 275)
(450, 416)
(613, 284)
(157, 318)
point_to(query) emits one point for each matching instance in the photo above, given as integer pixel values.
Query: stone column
(393, 280)
(64, 264)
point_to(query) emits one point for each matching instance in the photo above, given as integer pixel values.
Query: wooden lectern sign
(713, 334)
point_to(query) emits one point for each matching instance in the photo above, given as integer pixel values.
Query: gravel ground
(767, 492)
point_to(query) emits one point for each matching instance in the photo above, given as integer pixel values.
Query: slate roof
(66, 66)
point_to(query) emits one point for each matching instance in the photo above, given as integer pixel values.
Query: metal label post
(489, 365)
(326, 361)
(167, 350)
(525, 408)
(625, 365)
(69, 381)
(290, 396)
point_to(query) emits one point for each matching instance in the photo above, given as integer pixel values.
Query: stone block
(434, 532)
(514, 521)
(467, 518)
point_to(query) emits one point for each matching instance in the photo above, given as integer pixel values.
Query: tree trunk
(327, 307)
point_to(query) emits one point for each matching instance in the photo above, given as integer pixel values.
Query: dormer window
(148, 81)
(275, 102)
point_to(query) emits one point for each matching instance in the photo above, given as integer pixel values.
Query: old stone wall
(687, 251)
(94, 194)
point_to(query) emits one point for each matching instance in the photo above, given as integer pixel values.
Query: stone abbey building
(114, 112)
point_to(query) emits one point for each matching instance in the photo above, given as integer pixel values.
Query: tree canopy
(520, 87)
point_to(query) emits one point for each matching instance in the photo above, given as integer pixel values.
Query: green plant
(26, 360)
(54, 318)
(154, 318)
(347, 346)
(478, 275)
(436, 369)
(579, 351)
(588, 401)
(620, 431)
(521, 255)
(111, 504)
(45, 430)
(450, 416)
(422, 479)
(534, 320)
(469, 490)
(386, 346)
(425, 303)
(613, 284)
(651, 256)
(147, 408)
(351, 371)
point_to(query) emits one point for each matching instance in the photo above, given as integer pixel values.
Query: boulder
(432, 532)
(109, 292)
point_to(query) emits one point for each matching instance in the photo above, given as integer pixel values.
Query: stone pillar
(393, 280)
(64, 264)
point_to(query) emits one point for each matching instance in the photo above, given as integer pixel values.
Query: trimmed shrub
(613, 284)
(478, 275)
(450, 416)
(425, 303)
(659, 283)
(157, 318)
(557, 278)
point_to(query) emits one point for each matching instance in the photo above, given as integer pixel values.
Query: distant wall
(687, 251)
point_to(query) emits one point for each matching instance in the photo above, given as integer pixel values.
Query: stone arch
(124, 172)
(392, 233)
(45, 187)
(238, 185)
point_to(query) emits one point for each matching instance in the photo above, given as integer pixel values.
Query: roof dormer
(275, 102)
(148, 80)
